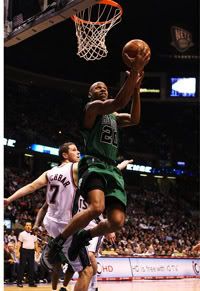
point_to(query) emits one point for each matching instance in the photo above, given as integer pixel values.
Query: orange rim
(103, 2)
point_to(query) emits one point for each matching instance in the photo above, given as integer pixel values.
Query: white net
(92, 26)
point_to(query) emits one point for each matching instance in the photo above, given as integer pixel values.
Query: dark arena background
(46, 86)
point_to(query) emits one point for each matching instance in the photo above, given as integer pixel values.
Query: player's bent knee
(97, 211)
(117, 221)
(117, 224)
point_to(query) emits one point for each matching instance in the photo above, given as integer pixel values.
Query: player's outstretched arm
(134, 75)
(98, 107)
(28, 189)
(40, 216)
(132, 118)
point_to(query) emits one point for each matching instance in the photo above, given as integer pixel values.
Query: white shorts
(54, 229)
(96, 241)
(95, 244)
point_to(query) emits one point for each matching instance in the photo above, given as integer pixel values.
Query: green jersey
(102, 139)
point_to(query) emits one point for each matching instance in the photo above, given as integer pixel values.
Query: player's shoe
(55, 254)
(57, 257)
(79, 240)
(44, 262)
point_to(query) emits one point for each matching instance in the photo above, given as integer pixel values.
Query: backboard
(17, 29)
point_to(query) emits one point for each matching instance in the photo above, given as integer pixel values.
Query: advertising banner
(114, 268)
(167, 267)
(129, 268)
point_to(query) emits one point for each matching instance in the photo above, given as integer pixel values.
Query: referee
(27, 245)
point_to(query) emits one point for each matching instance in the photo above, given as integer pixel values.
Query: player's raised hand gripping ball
(132, 48)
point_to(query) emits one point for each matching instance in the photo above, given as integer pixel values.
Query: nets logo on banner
(181, 39)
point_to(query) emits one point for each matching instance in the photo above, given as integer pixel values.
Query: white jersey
(95, 242)
(60, 193)
(82, 204)
(60, 198)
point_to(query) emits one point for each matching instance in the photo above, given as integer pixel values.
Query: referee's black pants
(26, 256)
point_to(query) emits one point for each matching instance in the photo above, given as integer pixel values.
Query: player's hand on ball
(142, 58)
(136, 53)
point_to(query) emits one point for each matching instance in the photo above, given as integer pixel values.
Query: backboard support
(54, 14)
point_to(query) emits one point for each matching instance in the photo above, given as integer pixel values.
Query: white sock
(93, 282)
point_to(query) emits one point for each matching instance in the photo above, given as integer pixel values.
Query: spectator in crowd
(196, 249)
(10, 263)
(159, 224)
(6, 240)
(12, 237)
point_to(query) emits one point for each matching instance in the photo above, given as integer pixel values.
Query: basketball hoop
(92, 26)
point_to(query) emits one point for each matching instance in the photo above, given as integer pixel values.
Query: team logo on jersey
(106, 120)
(181, 39)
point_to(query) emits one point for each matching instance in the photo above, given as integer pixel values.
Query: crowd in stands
(23, 106)
(161, 133)
(157, 224)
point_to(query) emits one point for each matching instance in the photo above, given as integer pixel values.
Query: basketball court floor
(138, 285)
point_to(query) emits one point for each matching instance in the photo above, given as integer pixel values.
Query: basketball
(131, 49)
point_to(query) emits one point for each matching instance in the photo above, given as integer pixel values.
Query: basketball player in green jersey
(100, 182)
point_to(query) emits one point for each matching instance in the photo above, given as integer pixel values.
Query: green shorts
(111, 175)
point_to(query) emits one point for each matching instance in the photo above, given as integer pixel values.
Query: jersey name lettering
(59, 178)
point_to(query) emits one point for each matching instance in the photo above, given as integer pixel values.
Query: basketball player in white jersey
(61, 184)
(92, 248)
(61, 188)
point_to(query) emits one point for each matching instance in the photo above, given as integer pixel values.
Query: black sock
(60, 240)
(87, 234)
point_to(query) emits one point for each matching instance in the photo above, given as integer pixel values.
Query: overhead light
(143, 175)
(159, 177)
(44, 149)
(180, 163)
(28, 155)
(173, 178)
